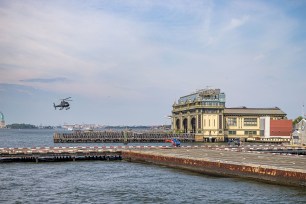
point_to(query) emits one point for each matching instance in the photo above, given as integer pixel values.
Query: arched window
(185, 125)
(193, 125)
(178, 124)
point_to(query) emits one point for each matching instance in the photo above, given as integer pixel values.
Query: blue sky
(126, 62)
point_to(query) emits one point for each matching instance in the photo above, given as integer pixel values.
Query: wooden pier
(44, 154)
(119, 137)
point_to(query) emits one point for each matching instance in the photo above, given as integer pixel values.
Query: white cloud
(78, 48)
(237, 22)
(150, 50)
(259, 57)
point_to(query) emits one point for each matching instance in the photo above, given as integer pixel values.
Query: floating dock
(245, 162)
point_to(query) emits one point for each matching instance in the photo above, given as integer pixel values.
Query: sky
(125, 62)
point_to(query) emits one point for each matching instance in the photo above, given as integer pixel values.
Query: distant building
(299, 135)
(245, 123)
(204, 113)
(2, 121)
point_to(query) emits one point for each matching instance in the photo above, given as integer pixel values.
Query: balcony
(190, 107)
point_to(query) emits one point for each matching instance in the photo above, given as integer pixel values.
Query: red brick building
(280, 128)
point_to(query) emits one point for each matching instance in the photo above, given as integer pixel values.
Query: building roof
(204, 95)
(253, 111)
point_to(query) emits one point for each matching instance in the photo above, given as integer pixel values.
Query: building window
(250, 121)
(210, 111)
(232, 132)
(250, 132)
(232, 121)
(177, 123)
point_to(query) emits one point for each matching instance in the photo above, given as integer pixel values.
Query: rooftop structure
(204, 95)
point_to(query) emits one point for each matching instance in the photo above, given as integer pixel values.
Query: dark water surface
(122, 182)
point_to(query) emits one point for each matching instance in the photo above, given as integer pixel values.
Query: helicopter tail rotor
(54, 106)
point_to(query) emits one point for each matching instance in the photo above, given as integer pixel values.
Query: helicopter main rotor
(66, 99)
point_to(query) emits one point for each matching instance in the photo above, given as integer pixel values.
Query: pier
(119, 137)
(249, 161)
(51, 154)
(267, 167)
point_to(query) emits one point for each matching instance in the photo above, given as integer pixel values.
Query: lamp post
(168, 117)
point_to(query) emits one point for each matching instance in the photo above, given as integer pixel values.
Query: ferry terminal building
(204, 113)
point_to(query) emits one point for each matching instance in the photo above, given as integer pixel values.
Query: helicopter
(63, 104)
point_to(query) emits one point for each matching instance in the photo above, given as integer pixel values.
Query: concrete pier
(273, 168)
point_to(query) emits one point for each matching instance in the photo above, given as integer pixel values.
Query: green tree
(21, 126)
(297, 120)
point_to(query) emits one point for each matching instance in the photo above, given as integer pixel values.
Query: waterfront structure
(119, 136)
(204, 113)
(201, 113)
(207, 159)
(2, 121)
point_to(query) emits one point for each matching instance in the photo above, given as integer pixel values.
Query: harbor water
(121, 181)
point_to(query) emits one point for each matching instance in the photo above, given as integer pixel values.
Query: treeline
(21, 126)
(297, 120)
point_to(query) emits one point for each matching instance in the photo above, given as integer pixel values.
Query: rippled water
(124, 182)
